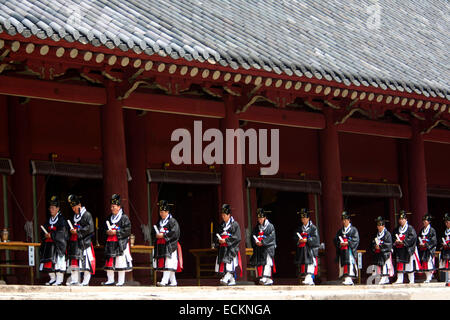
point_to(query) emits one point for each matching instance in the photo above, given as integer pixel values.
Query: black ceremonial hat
(261, 213)
(115, 199)
(427, 217)
(380, 221)
(403, 214)
(73, 200)
(346, 215)
(304, 213)
(54, 201)
(164, 205)
(446, 217)
(226, 208)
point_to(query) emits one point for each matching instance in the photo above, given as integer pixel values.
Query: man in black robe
(167, 257)
(307, 248)
(405, 250)
(382, 251)
(444, 258)
(54, 243)
(427, 241)
(117, 247)
(264, 244)
(346, 242)
(227, 241)
(80, 252)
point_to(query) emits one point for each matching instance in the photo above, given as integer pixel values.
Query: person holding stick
(382, 251)
(80, 251)
(405, 250)
(444, 257)
(346, 242)
(54, 242)
(427, 241)
(263, 243)
(167, 257)
(227, 241)
(117, 247)
(307, 250)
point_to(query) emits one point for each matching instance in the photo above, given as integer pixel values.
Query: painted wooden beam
(50, 90)
(438, 135)
(376, 128)
(282, 117)
(175, 104)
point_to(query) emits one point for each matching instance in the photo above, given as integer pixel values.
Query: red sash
(225, 243)
(345, 246)
(402, 238)
(423, 241)
(303, 244)
(50, 230)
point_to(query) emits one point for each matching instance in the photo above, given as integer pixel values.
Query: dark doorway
(366, 210)
(284, 207)
(195, 207)
(90, 191)
(437, 207)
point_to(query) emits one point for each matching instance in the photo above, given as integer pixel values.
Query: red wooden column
(403, 169)
(233, 181)
(21, 183)
(114, 151)
(417, 176)
(137, 163)
(330, 174)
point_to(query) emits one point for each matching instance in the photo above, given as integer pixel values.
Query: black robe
(171, 236)
(445, 252)
(227, 253)
(117, 248)
(380, 258)
(353, 242)
(430, 246)
(260, 253)
(307, 254)
(49, 251)
(84, 236)
(403, 253)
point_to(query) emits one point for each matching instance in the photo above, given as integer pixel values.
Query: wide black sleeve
(87, 228)
(235, 238)
(174, 231)
(386, 246)
(410, 238)
(125, 228)
(313, 240)
(269, 240)
(432, 240)
(353, 241)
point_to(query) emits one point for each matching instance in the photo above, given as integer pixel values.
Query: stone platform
(420, 291)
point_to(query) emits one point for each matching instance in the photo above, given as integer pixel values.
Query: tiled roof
(398, 44)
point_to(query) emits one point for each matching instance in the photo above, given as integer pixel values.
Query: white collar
(116, 218)
(162, 223)
(346, 230)
(381, 235)
(77, 217)
(447, 232)
(426, 230)
(404, 228)
(264, 226)
(54, 220)
(228, 224)
(308, 225)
